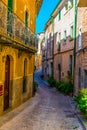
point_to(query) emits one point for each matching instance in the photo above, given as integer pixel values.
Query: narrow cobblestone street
(47, 110)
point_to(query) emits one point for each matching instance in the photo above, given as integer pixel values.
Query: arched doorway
(7, 81)
(24, 77)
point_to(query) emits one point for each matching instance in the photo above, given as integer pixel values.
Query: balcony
(14, 32)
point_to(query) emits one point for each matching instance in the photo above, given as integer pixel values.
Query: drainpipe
(75, 26)
(53, 45)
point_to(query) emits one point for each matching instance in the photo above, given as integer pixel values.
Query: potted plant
(52, 82)
(81, 100)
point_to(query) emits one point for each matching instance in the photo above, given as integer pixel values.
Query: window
(70, 3)
(26, 19)
(53, 24)
(85, 78)
(10, 5)
(59, 37)
(10, 18)
(59, 15)
(24, 77)
(51, 68)
(70, 64)
(71, 31)
(51, 48)
(59, 40)
(66, 6)
(65, 35)
(62, 74)
(59, 70)
(80, 38)
(79, 77)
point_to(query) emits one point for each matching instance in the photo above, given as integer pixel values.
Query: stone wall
(81, 56)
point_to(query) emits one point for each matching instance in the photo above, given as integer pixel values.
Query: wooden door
(85, 78)
(59, 67)
(24, 77)
(79, 78)
(6, 85)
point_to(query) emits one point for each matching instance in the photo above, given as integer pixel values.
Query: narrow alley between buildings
(47, 110)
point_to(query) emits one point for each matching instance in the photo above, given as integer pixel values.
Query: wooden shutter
(10, 4)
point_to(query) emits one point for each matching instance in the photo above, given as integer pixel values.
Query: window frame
(59, 15)
(71, 32)
(80, 38)
(65, 35)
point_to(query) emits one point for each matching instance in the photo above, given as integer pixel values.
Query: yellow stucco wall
(16, 76)
(29, 6)
(17, 57)
(20, 7)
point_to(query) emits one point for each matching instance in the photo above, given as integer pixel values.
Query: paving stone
(47, 110)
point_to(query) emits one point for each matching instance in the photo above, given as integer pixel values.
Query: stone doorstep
(81, 118)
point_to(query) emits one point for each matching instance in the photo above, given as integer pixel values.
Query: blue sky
(44, 14)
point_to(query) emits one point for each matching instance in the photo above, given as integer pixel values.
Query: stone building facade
(48, 50)
(61, 23)
(67, 60)
(63, 39)
(17, 51)
(81, 47)
(38, 56)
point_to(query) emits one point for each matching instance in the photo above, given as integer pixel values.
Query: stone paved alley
(47, 110)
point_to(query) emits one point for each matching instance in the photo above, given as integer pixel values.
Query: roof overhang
(55, 12)
(38, 3)
(60, 4)
(48, 23)
(82, 3)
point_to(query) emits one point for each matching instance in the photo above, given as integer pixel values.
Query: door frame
(7, 83)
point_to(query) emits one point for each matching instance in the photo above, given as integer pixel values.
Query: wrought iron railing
(13, 26)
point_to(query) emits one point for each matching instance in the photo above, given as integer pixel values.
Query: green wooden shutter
(10, 18)
(10, 4)
(72, 3)
(59, 15)
(26, 19)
